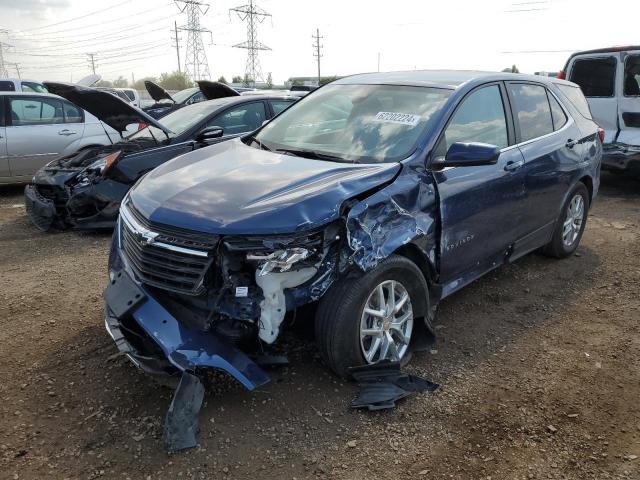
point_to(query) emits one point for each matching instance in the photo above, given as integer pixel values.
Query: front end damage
(181, 302)
(78, 191)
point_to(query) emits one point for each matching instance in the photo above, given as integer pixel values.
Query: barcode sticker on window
(399, 118)
(242, 291)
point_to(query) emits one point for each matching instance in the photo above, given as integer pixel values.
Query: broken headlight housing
(97, 168)
(280, 260)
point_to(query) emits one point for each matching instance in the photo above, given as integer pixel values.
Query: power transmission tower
(253, 15)
(316, 50)
(177, 40)
(4, 73)
(92, 60)
(195, 63)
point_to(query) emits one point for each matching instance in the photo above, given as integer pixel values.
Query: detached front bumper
(621, 157)
(41, 211)
(159, 343)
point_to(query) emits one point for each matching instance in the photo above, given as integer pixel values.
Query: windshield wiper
(313, 154)
(260, 144)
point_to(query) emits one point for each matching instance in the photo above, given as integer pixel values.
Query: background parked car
(166, 103)
(118, 93)
(13, 85)
(85, 190)
(610, 81)
(35, 128)
(132, 94)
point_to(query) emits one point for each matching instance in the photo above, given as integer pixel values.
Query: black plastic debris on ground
(181, 425)
(382, 384)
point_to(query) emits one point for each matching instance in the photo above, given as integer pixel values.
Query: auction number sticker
(399, 118)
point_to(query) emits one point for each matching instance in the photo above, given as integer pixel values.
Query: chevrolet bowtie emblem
(146, 238)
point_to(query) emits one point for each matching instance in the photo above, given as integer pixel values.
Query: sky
(50, 39)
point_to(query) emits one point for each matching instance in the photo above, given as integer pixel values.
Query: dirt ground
(539, 367)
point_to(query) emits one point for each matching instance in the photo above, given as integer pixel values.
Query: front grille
(54, 193)
(164, 261)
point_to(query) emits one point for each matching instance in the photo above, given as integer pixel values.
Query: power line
(253, 16)
(316, 50)
(195, 64)
(77, 18)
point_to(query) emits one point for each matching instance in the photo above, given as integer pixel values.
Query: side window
(480, 118)
(198, 97)
(575, 96)
(72, 113)
(596, 76)
(240, 119)
(31, 87)
(557, 114)
(130, 95)
(7, 86)
(632, 76)
(35, 111)
(279, 105)
(532, 110)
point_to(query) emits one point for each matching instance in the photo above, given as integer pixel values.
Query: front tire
(570, 224)
(365, 319)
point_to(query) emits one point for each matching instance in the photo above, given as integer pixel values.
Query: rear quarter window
(575, 96)
(596, 76)
(6, 86)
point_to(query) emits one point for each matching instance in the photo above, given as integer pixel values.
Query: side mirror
(209, 133)
(470, 154)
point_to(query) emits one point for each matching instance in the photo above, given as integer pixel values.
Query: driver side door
(480, 206)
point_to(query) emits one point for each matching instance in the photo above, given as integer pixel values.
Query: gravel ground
(538, 364)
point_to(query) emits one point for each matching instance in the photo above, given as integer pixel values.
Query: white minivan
(610, 81)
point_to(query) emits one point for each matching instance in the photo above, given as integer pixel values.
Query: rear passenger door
(552, 147)
(35, 132)
(596, 74)
(481, 207)
(278, 106)
(240, 119)
(629, 110)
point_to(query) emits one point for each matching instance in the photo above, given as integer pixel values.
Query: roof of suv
(449, 79)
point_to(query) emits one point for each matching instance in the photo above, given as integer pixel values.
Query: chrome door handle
(513, 165)
(66, 132)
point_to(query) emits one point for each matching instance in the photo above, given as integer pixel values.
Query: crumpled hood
(230, 188)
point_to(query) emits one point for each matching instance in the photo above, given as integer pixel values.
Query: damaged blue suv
(375, 196)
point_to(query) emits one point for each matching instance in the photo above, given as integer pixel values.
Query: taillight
(141, 125)
(562, 75)
(601, 134)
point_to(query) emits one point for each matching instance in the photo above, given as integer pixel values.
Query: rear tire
(570, 224)
(345, 332)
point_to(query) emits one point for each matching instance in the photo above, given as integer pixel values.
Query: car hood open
(105, 106)
(231, 188)
(157, 92)
(213, 90)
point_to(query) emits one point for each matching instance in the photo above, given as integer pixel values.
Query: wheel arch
(588, 182)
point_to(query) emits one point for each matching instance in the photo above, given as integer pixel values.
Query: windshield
(183, 95)
(357, 123)
(178, 121)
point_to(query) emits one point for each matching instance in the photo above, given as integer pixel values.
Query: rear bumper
(175, 348)
(620, 156)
